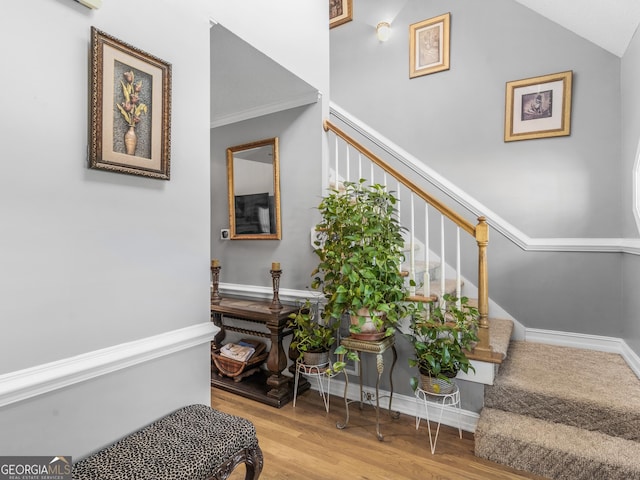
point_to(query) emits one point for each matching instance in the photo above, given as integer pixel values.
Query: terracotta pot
(368, 331)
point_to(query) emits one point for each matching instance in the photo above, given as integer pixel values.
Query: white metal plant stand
(318, 371)
(440, 400)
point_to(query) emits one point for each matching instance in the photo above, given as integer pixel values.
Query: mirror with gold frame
(253, 178)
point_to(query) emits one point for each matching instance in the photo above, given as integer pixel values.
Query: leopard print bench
(193, 443)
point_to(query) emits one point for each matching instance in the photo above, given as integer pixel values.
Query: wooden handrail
(480, 232)
(442, 208)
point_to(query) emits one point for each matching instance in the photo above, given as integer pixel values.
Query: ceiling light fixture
(383, 31)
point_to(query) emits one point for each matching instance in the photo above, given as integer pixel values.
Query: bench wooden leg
(251, 457)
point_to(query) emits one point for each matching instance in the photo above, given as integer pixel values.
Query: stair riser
(601, 418)
(548, 462)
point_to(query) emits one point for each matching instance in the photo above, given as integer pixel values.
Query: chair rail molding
(602, 245)
(30, 382)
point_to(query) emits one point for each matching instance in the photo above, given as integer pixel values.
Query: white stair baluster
(442, 265)
(348, 176)
(458, 268)
(426, 289)
(412, 260)
(336, 186)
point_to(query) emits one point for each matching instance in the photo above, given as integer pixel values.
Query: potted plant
(440, 339)
(360, 248)
(312, 338)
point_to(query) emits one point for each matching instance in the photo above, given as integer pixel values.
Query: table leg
(392, 414)
(216, 318)
(380, 367)
(276, 363)
(360, 378)
(346, 403)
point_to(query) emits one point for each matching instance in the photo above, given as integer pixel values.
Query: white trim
(589, 342)
(261, 110)
(401, 403)
(266, 293)
(624, 245)
(484, 375)
(30, 382)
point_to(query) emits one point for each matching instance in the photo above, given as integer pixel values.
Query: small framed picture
(538, 107)
(340, 11)
(130, 109)
(429, 46)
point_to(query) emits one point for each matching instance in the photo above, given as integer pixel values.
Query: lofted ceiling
(268, 87)
(609, 24)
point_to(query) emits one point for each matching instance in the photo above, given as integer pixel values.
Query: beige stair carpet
(555, 451)
(562, 413)
(592, 390)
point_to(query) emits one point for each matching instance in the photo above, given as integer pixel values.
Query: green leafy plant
(343, 354)
(309, 335)
(360, 248)
(441, 337)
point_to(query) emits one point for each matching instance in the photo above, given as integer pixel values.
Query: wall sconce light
(383, 31)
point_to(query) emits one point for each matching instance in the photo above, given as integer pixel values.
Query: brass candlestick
(215, 275)
(275, 278)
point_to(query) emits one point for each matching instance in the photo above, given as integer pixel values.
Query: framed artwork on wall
(429, 46)
(538, 107)
(130, 101)
(340, 11)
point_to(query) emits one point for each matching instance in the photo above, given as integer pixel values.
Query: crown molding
(266, 109)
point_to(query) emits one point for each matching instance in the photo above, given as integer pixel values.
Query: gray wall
(93, 259)
(248, 262)
(453, 121)
(630, 142)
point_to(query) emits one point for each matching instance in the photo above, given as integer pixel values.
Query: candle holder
(276, 271)
(215, 276)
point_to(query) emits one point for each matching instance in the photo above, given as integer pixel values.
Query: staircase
(558, 412)
(562, 413)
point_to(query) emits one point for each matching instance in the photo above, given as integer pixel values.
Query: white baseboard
(589, 342)
(404, 404)
(30, 382)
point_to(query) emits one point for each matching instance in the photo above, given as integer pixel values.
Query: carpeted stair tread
(552, 450)
(592, 390)
(500, 330)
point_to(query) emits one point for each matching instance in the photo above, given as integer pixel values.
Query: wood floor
(304, 443)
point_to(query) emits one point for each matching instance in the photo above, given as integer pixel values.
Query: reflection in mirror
(253, 176)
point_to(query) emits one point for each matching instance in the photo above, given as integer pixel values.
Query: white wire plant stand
(317, 371)
(441, 401)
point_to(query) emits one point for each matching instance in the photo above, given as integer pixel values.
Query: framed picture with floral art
(538, 107)
(429, 46)
(130, 101)
(340, 11)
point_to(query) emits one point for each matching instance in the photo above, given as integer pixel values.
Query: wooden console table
(272, 387)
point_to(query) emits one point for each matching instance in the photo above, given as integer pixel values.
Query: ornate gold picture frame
(340, 11)
(130, 98)
(538, 107)
(429, 46)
